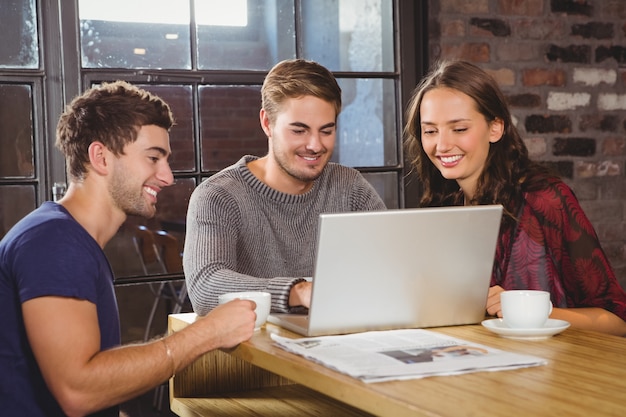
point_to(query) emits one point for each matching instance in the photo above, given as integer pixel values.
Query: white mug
(525, 309)
(263, 302)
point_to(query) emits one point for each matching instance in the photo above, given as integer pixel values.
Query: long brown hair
(508, 170)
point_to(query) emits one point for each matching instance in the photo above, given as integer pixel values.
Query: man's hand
(300, 294)
(232, 323)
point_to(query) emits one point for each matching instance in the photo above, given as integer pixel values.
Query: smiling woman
(466, 149)
(456, 136)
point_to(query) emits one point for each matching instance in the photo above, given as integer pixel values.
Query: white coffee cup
(525, 309)
(262, 299)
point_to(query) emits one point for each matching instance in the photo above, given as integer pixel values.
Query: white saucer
(551, 328)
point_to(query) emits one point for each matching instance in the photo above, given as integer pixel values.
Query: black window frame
(60, 78)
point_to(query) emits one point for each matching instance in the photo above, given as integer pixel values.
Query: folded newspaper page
(403, 354)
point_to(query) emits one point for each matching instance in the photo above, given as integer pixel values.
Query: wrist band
(170, 357)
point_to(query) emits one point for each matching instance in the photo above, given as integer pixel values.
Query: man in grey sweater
(253, 226)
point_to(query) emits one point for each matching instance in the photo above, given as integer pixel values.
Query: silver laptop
(404, 268)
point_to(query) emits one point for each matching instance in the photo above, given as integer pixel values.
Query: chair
(159, 253)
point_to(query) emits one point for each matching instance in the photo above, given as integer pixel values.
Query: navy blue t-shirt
(47, 253)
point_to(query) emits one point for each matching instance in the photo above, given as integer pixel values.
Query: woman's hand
(494, 308)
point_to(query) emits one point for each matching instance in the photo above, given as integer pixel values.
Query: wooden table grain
(585, 376)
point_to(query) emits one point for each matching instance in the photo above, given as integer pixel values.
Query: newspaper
(403, 354)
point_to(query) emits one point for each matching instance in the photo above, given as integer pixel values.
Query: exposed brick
(539, 76)
(496, 27)
(434, 9)
(605, 211)
(612, 189)
(609, 123)
(475, 52)
(590, 169)
(536, 147)
(618, 53)
(609, 168)
(615, 9)
(521, 51)
(603, 122)
(610, 231)
(558, 46)
(573, 7)
(515, 121)
(614, 147)
(503, 76)
(520, 7)
(435, 51)
(453, 27)
(524, 100)
(572, 53)
(547, 124)
(434, 29)
(612, 101)
(585, 169)
(567, 101)
(574, 147)
(594, 30)
(594, 76)
(464, 6)
(541, 29)
(586, 190)
(564, 169)
(614, 249)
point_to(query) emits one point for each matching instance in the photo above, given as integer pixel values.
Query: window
(18, 20)
(20, 95)
(207, 59)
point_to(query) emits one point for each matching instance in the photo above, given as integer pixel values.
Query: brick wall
(562, 65)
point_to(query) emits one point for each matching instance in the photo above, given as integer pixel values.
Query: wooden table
(585, 376)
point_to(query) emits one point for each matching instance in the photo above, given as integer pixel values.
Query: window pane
(367, 134)
(131, 34)
(349, 35)
(16, 131)
(16, 201)
(18, 20)
(171, 214)
(179, 97)
(266, 37)
(386, 184)
(229, 122)
(126, 251)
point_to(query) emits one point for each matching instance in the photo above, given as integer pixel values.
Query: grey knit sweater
(245, 236)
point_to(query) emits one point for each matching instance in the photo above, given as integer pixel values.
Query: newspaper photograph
(403, 354)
